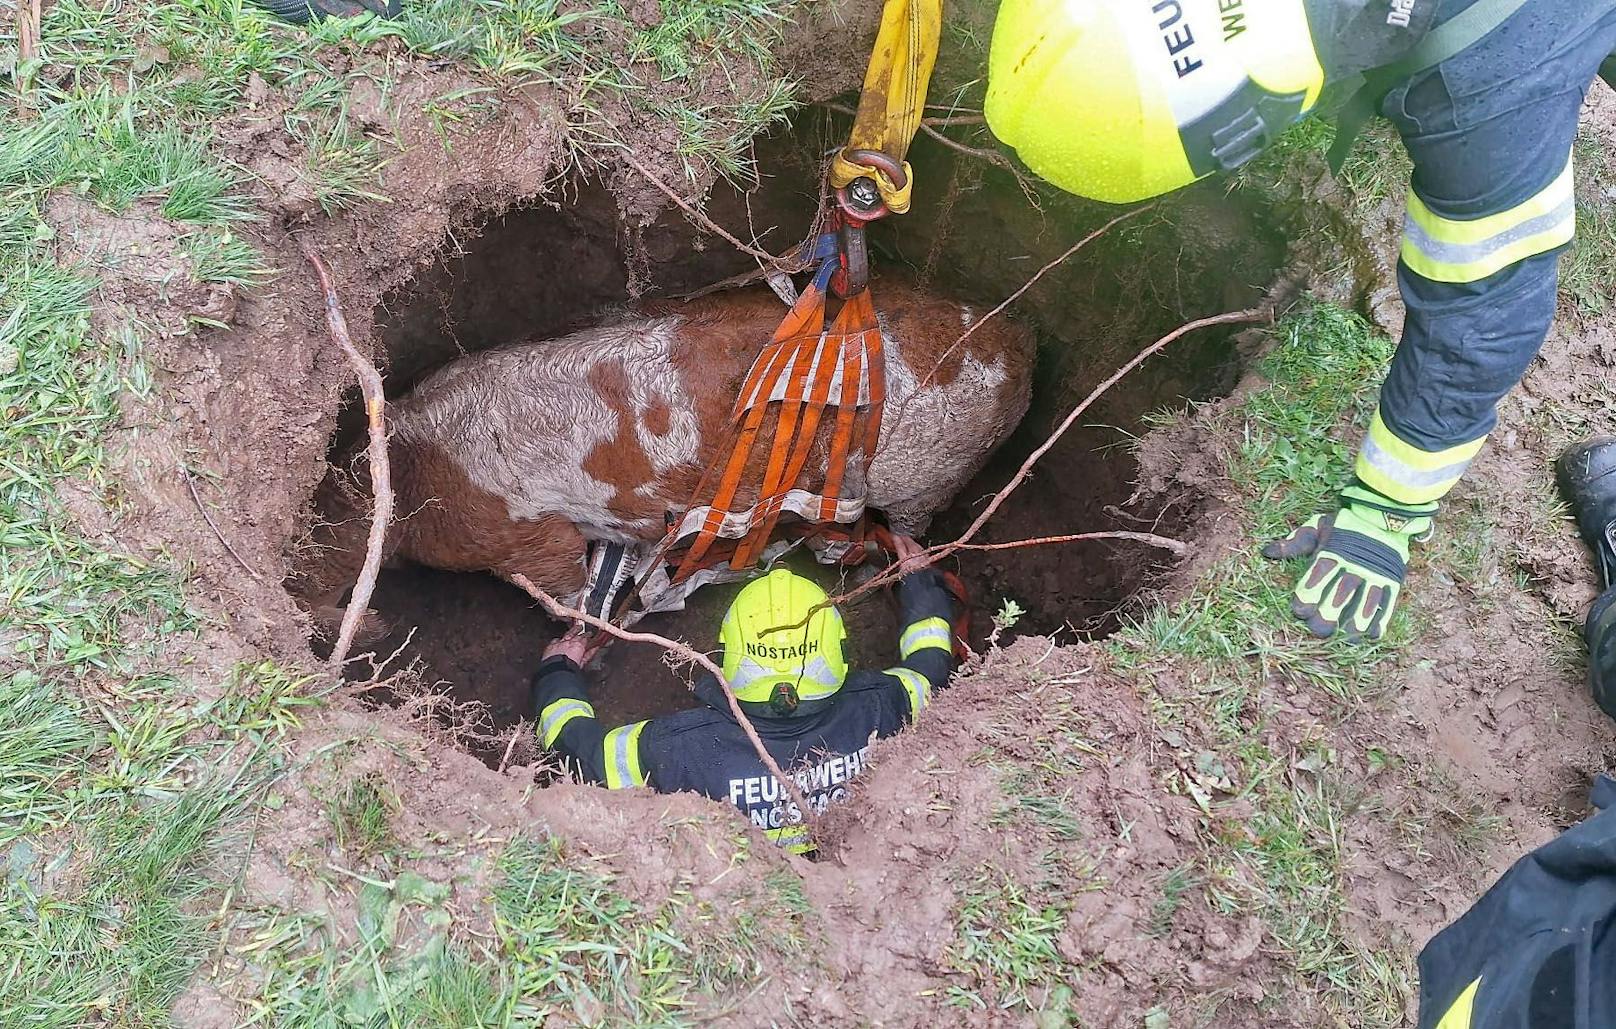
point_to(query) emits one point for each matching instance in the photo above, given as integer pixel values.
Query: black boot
(1587, 475)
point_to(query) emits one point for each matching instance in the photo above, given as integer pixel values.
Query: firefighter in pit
(783, 657)
(1118, 100)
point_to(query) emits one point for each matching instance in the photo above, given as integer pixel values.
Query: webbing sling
(894, 97)
(802, 373)
(1457, 34)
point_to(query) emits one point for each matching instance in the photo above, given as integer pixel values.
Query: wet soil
(482, 246)
(542, 270)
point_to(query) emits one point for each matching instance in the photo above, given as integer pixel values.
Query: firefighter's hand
(573, 645)
(904, 548)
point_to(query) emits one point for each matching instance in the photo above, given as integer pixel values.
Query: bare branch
(381, 484)
(932, 554)
(559, 610)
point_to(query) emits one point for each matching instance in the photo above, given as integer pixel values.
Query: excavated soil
(540, 270)
(489, 241)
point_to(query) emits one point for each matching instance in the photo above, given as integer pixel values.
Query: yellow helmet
(1119, 100)
(783, 642)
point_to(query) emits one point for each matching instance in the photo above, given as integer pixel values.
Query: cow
(511, 460)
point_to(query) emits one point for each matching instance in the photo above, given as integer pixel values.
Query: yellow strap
(894, 97)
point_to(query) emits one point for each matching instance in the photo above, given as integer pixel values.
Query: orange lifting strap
(810, 384)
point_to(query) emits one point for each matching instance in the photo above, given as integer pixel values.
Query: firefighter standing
(1118, 100)
(783, 657)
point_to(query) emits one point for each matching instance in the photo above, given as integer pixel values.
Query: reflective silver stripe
(1471, 253)
(1406, 474)
(622, 757)
(916, 685)
(558, 714)
(749, 672)
(931, 632)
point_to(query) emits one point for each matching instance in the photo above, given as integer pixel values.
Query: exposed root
(1150, 539)
(931, 554)
(926, 379)
(381, 484)
(190, 484)
(784, 262)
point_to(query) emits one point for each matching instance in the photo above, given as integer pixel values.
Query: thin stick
(1040, 273)
(559, 610)
(27, 49)
(931, 554)
(706, 222)
(896, 417)
(190, 484)
(510, 748)
(381, 484)
(1149, 539)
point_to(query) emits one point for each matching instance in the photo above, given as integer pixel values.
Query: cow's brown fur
(448, 521)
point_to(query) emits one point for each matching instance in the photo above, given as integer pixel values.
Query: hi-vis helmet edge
(1119, 100)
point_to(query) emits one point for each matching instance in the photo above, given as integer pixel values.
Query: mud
(1038, 768)
(545, 269)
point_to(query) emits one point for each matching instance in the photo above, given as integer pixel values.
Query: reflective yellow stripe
(622, 747)
(1406, 473)
(793, 838)
(1445, 250)
(1458, 1016)
(928, 632)
(916, 685)
(557, 714)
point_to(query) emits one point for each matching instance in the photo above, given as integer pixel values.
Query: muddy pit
(542, 270)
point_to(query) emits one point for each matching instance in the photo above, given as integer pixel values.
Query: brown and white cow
(511, 459)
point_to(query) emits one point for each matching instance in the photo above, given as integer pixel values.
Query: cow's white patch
(934, 440)
(521, 420)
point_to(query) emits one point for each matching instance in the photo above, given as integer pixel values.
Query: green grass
(1234, 642)
(567, 946)
(127, 773)
(1585, 271)
(1006, 944)
(361, 814)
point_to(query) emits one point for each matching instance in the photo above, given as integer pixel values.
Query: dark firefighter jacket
(703, 750)
(1538, 951)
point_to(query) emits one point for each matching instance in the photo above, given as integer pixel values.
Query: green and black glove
(1359, 556)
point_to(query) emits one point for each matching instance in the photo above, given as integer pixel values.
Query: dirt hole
(539, 271)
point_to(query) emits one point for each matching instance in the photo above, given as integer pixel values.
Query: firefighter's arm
(568, 726)
(926, 641)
